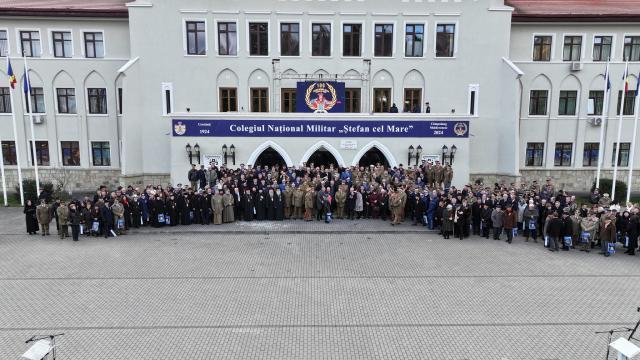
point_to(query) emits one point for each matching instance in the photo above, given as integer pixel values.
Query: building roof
(75, 8)
(575, 10)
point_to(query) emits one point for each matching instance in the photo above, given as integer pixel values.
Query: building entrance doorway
(373, 157)
(322, 157)
(270, 157)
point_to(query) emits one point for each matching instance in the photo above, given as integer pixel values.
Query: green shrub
(30, 191)
(605, 188)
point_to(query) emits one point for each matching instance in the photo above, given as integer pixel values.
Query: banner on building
(320, 97)
(321, 128)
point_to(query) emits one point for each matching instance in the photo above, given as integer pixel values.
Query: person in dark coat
(279, 205)
(567, 229)
(555, 231)
(486, 220)
(632, 231)
(271, 205)
(106, 220)
(476, 217)
(248, 205)
(261, 205)
(87, 220)
(74, 220)
(30, 217)
(170, 211)
(134, 208)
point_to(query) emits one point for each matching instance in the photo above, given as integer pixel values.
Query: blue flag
(637, 85)
(27, 83)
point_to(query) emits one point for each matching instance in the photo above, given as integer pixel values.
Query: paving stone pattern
(252, 293)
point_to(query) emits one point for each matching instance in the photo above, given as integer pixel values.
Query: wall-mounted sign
(431, 158)
(348, 144)
(322, 128)
(213, 160)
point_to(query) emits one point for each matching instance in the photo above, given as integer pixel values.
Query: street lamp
(445, 151)
(418, 152)
(233, 153)
(453, 153)
(196, 150)
(411, 151)
(189, 153)
(224, 153)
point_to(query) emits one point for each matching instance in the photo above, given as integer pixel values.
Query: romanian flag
(12, 77)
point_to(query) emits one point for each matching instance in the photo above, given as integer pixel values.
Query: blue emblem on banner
(320, 96)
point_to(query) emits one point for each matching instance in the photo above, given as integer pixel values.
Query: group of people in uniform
(421, 195)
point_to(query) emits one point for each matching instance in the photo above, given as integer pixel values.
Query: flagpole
(633, 142)
(617, 153)
(15, 138)
(33, 138)
(605, 109)
(4, 181)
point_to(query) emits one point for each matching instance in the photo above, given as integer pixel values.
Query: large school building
(133, 92)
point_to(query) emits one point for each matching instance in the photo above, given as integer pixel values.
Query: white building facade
(119, 92)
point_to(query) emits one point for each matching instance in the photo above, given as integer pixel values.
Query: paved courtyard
(362, 290)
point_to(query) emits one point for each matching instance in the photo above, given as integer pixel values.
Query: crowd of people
(421, 195)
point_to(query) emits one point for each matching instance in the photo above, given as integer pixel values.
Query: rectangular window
(290, 39)
(445, 40)
(596, 102)
(623, 156)
(288, 103)
(572, 48)
(472, 102)
(590, 154)
(320, 39)
(567, 104)
(631, 50)
(93, 45)
(35, 103)
(167, 101)
(414, 40)
(412, 100)
(562, 156)
(352, 100)
(259, 100)
(66, 100)
(62, 47)
(97, 100)
(5, 100)
(258, 39)
(228, 99)
(227, 38)
(196, 38)
(42, 152)
(538, 102)
(351, 39)
(629, 102)
(4, 43)
(30, 41)
(119, 101)
(383, 44)
(9, 153)
(381, 98)
(534, 154)
(70, 153)
(101, 153)
(602, 48)
(542, 48)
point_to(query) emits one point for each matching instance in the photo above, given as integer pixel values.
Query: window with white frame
(227, 38)
(62, 44)
(30, 43)
(414, 40)
(196, 38)
(93, 44)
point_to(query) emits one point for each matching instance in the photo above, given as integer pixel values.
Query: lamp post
(196, 149)
(411, 151)
(233, 153)
(445, 151)
(224, 153)
(418, 153)
(189, 153)
(453, 153)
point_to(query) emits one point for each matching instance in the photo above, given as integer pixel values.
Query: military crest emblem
(179, 128)
(460, 129)
(321, 97)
